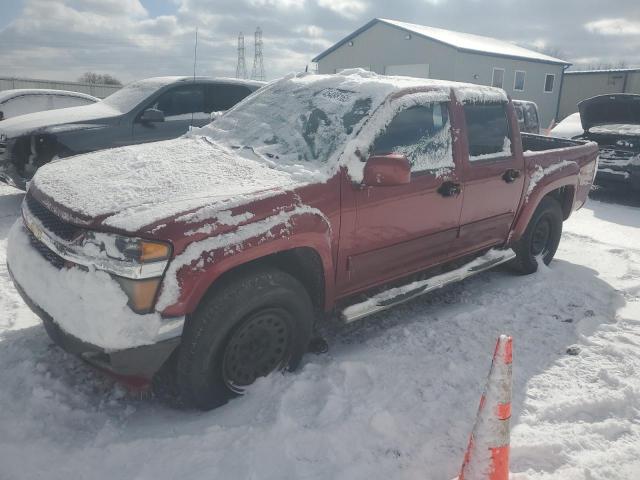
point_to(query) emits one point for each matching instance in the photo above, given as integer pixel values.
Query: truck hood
(129, 188)
(616, 109)
(38, 121)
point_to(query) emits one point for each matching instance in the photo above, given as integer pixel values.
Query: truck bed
(538, 143)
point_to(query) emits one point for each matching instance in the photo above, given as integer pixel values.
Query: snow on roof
(604, 70)
(6, 94)
(461, 41)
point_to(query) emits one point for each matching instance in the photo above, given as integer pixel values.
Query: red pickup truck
(208, 259)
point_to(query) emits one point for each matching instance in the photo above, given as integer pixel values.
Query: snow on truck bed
(395, 397)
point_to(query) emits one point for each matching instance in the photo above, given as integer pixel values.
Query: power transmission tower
(241, 67)
(258, 66)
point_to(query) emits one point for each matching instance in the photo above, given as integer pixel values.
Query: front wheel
(254, 324)
(541, 238)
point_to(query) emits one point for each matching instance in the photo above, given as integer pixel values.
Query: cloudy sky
(131, 39)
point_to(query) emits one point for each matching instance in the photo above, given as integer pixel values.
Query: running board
(394, 296)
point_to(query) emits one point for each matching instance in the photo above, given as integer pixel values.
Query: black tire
(541, 238)
(253, 324)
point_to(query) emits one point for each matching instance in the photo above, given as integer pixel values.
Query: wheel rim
(259, 346)
(541, 236)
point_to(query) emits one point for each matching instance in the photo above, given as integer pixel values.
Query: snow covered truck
(208, 259)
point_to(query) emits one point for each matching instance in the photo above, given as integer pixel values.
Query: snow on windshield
(131, 95)
(303, 123)
(295, 125)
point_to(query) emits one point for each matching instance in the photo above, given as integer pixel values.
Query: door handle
(450, 189)
(510, 175)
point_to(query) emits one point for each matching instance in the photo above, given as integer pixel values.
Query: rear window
(487, 130)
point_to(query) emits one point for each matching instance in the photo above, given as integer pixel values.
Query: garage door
(411, 70)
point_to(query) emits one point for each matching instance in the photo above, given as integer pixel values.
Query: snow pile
(395, 397)
(89, 305)
(145, 183)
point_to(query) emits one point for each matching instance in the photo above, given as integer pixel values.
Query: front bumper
(138, 363)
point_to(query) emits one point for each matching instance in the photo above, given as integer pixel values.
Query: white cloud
(346, 8)
(614, 26)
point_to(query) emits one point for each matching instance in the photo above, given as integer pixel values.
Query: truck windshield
(290, 121)
(132, 94)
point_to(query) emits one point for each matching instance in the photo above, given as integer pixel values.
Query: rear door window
(223, 97)
(487, 131)
(421, 133)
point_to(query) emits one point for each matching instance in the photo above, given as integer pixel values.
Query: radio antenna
(195, 60)
(195, 55)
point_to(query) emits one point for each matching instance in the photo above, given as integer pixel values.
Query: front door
(493, 177)
(182, 107)
(405, 228)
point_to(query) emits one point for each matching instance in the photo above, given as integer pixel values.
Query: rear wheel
(253, 325)
(541, 238)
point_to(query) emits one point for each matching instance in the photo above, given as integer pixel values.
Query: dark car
(613, 121)
(149, 110)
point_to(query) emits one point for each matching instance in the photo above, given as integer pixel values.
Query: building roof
(607, 70)
(460, 41)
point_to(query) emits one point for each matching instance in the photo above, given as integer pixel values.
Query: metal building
(583, 84)
(398, 48)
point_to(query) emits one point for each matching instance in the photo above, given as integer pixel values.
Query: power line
(258, 63)
(241, 67)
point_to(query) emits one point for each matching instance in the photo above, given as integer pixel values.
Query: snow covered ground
(394, 398)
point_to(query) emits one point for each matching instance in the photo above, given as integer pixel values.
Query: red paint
(369, 235)
(387, 170)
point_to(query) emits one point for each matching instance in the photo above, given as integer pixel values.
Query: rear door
(493, 177)
(405, 228)
(182, 106)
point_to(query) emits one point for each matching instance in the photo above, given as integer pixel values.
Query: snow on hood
(137, 185)
(22, 124)
(570, 127)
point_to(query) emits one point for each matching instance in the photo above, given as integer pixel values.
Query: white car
(23, 101)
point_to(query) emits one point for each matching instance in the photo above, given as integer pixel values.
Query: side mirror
(387, 170)
(152, 115)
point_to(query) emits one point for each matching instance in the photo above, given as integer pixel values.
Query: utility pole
(241, 67)
(258, 63)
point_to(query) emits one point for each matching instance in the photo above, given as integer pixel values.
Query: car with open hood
(149, 110)
(613, 121)
(207, 261)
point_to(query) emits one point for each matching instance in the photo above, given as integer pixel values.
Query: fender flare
(303, 227)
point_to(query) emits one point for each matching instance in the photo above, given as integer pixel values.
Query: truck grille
(50, 221)
(49, 255)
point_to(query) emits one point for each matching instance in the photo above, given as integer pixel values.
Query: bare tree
(99, 78)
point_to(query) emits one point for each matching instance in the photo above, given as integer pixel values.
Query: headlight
(141, 293)
(147, 261)
(124, 249)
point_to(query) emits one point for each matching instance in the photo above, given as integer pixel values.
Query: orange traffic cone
(487, 456)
